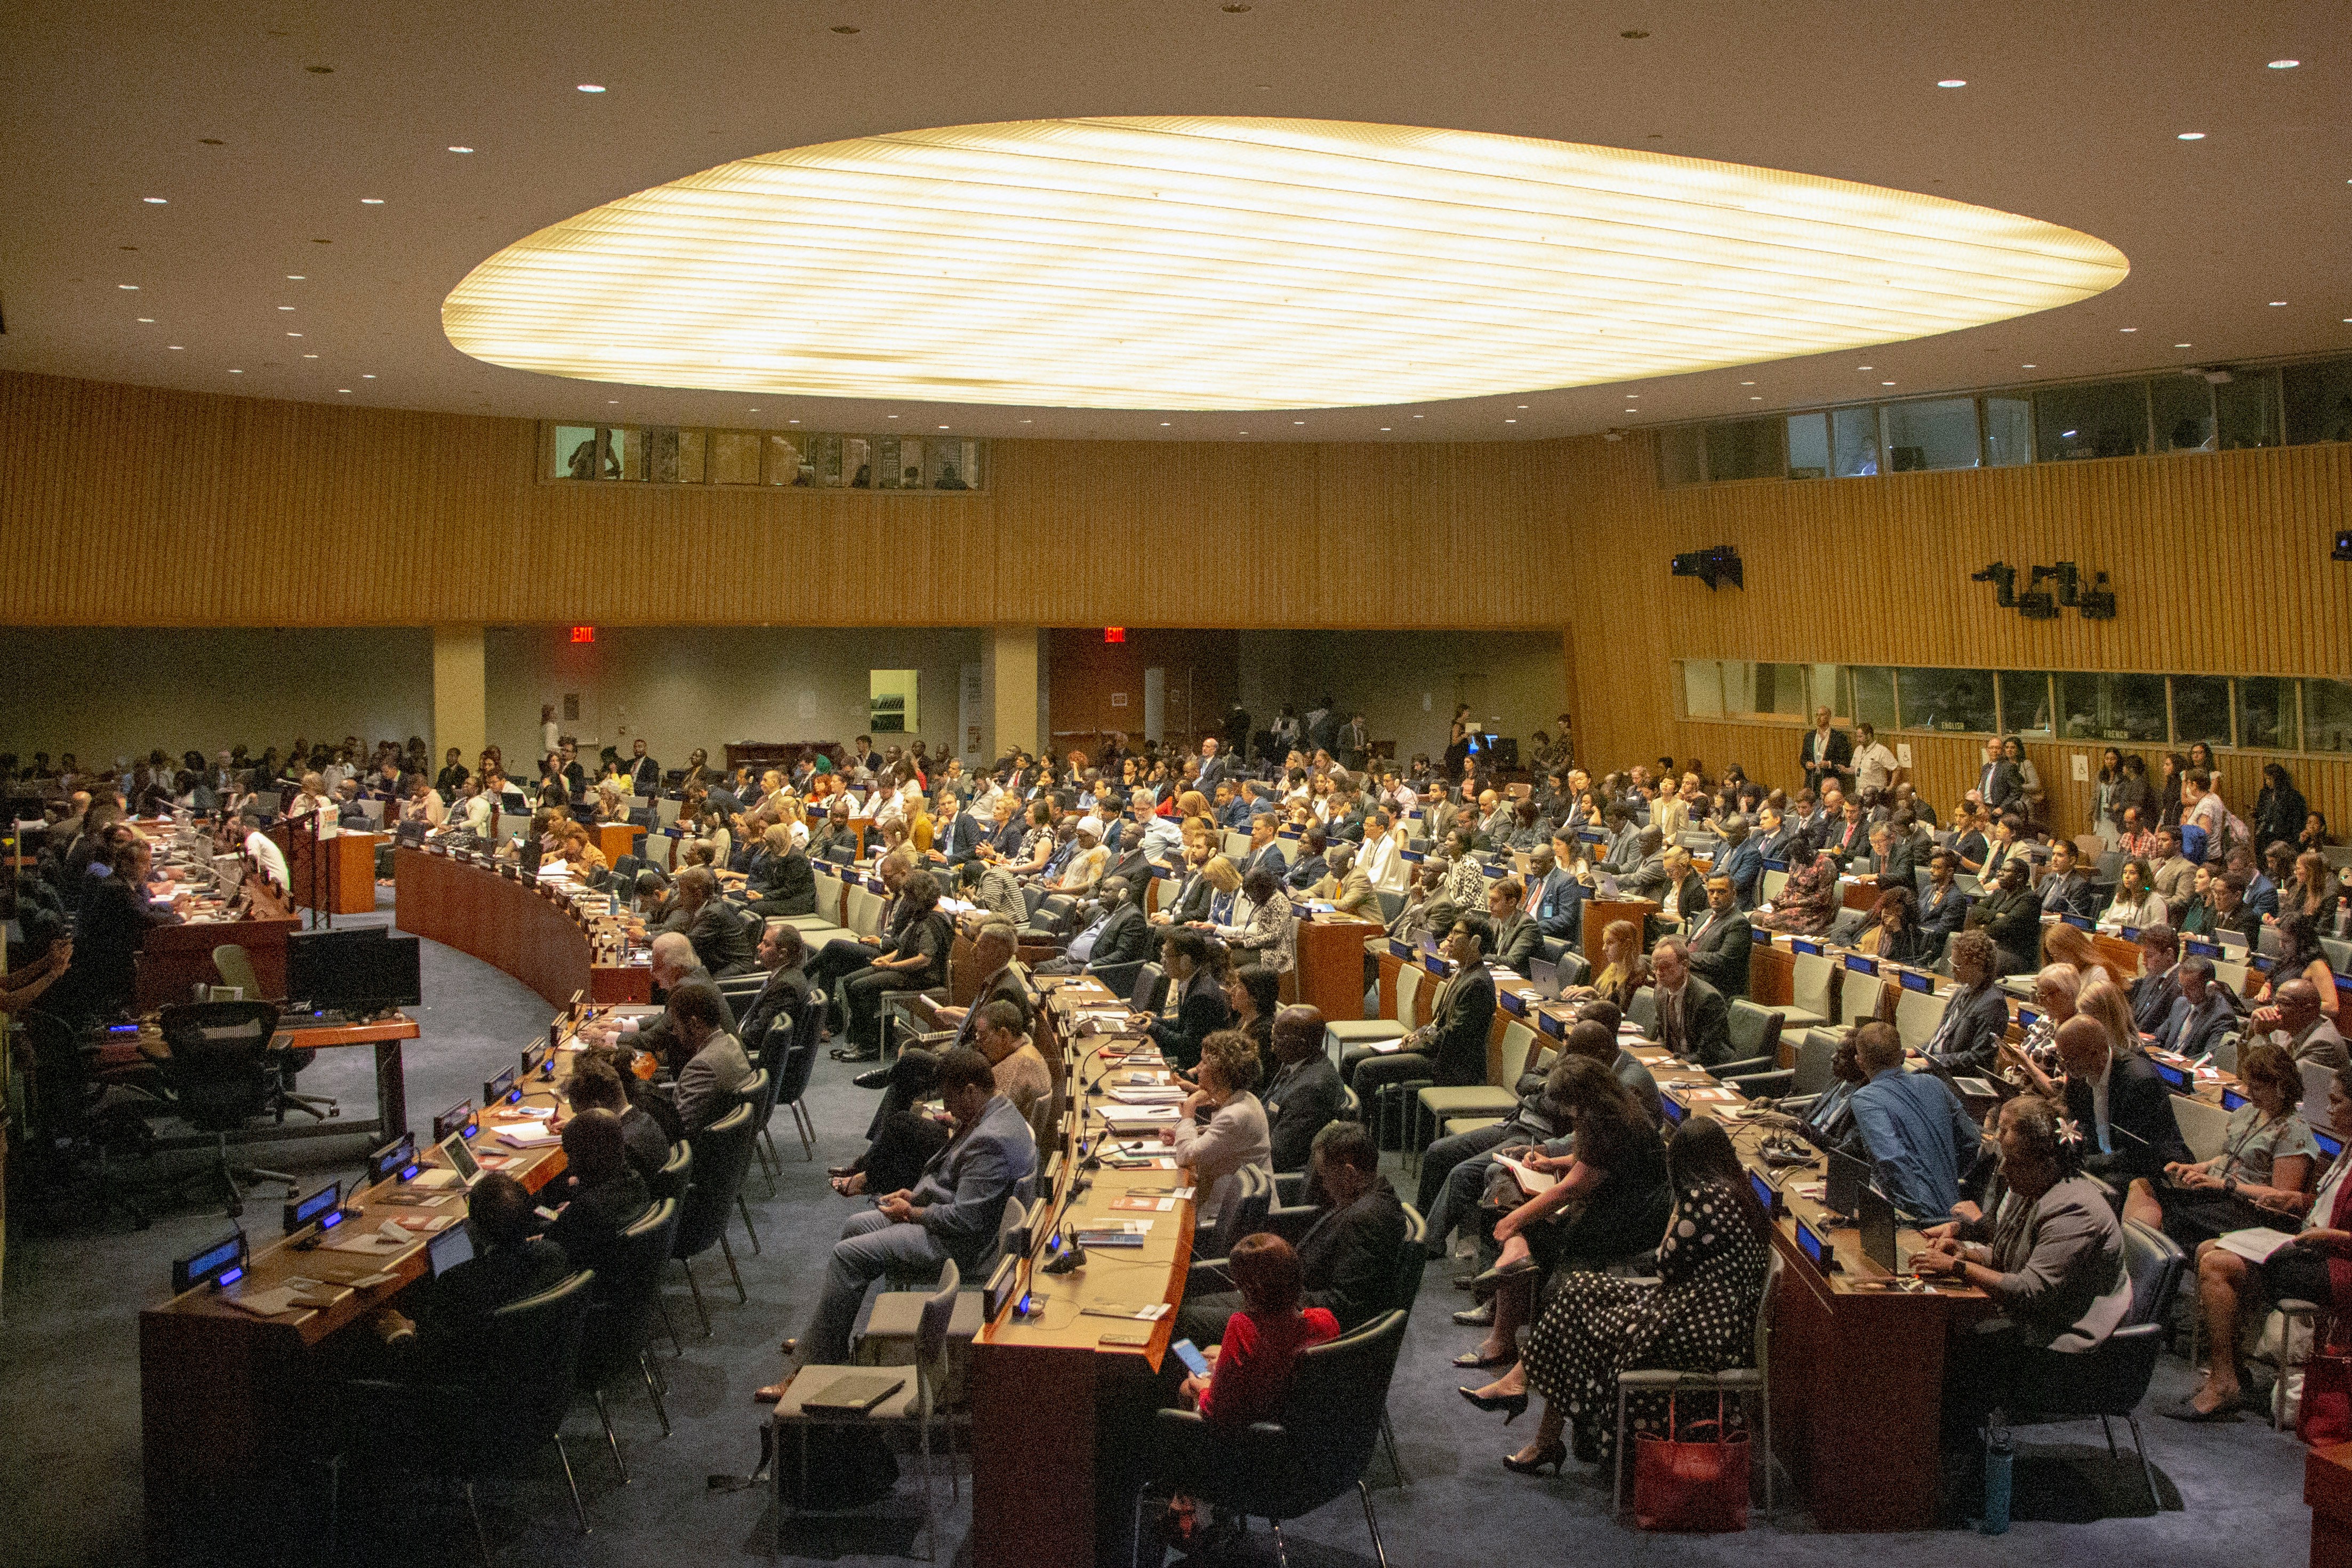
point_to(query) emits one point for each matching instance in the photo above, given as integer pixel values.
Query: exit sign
(583, 633)
(1114, 633)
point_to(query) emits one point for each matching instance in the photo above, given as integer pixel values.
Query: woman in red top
(1249, 1369)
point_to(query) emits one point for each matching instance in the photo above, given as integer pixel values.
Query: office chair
(1742, 1381)
(756, 1097)
(1316, 1447)
(236, 967)
(799, 1066)
(620, 1323)
(528, 1358)
(722, 1153)
(221, 1074)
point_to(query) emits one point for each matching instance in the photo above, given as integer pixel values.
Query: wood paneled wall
(259, 513)
(2219, 562)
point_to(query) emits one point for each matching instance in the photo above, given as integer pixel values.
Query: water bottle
(2001, 1456)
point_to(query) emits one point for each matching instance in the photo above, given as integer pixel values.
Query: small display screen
(458, 1118)
(1913, 981)
(317, 1204)
(1811, 1243)
(1764, 1194)
(394, 1159)
(1862, 963)
(502, 1087)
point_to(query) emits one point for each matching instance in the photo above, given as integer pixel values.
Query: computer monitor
(1847, 1178)
(1876, 1219)
(531, 851)
(1545, 977)
(461, 1155)
(361, 971)
(448, 1249)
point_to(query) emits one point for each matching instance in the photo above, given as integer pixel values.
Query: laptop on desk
(448, 1249)
(1544, 975)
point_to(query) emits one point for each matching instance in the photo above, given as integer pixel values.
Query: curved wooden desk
(509, 924)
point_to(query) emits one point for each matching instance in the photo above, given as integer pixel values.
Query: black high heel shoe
(1513, 1404)
(1551, 1455)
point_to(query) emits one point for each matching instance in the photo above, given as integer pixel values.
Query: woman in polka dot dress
(1700, 1316)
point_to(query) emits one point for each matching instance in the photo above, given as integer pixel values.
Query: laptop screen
(460, 1158)
(1876, 1220)
(450, 1248)
(1847, 1178)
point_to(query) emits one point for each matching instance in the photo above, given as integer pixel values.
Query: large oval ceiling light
(1197, 263)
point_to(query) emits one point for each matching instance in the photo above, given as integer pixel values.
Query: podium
(1600, 912)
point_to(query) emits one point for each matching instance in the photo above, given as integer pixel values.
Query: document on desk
(1149, 1094)
(1139, 1115)
(1143, 1204)
(296, 1295)
(528, 1135)
(371, 1243)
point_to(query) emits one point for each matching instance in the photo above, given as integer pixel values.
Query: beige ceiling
(2072, 114)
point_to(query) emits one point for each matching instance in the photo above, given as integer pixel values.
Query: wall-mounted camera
(2004, 579)
(1713, 566)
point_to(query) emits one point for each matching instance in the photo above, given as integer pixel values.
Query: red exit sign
(583, 633)
(1114, 633)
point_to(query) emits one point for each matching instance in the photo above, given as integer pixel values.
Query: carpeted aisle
(70, 1458)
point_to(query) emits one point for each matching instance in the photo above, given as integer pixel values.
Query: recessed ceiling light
(894, 416)
(590, 86)
(150, 320)
(1886, 383)
(1752, 397)
(1298, 422)
(293, 334)
(294, 277)
(461, 150)
(310, 356)
(613, 400)
(346, 390)
(1523, 408)
(1953, 81)
(1420, 416)
(2275, 303)
(369, 377)
(1163, 425)
(178, 348)
(1384, 429)
(2127, 328)
(943, 428)
(762, 238)
(791, 422)
(286, 307)
(2285, 65)
(1748, 383)
(1632, 411)
(1865, 367)
(2192, 136)
(365, 202)
(132, 288)
(156, 201)
(236, 372)
(2029, 367)
(1511, 421)
(1032, 422)
(2183, 345)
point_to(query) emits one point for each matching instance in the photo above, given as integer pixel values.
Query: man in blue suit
(956, 833)
(952, 1212)
(1742, 860)
(1556, 897)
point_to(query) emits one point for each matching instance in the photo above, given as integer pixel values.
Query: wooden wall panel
(2220, 563)
(258, 513)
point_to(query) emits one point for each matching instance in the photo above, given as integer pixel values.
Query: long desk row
(523, 927)
(1049, 1390)
(228, 1395)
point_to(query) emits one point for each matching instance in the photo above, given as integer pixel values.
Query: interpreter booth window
(2112, 707)
(2008, 431)
(1809, 447)
(1681, 457)
(1949, 700)
(1853, 441)
(2318, 401)
(1873, 704)
(2246, 411)
(2200, 709)
(788, 462)
(1738, 688)
(579, 454)
(2267, 720)
(2108, 419)
(1936, 433)
(668, 450)
(1745, 449)
(734, 457)
(2025, 704)
(2328, 715)
(2183, 409)
(897, 463)
(954, 464)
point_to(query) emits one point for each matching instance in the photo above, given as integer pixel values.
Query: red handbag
(1691, 1478)
(2325, 1414)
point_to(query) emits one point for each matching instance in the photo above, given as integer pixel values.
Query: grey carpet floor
(70, 1438)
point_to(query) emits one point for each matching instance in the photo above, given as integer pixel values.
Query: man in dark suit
(1450, 1049)
(716, 1068)
(2123, 1109)
(1890, 860)
(1311, 866)
(1847, 836)
(1213, 767)
(645, 773)
(1264, 853)
(714, 929)
(1721, 941)
(2067, 890)
(1694, 1020)
(781, 952)
(1741, 859)
(2203, 1015)
(445, 1341)
(1347, 1257)
(1305, 1093)
(956, 833)
(674, 966)
(2156, 992)
(2232, 912)
(1943, 906)
(1557, 900)
(1998, 784)
(1827, 753)
(2012, 916)
(1115, 935)
(1355, 742)
(1518, 940)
